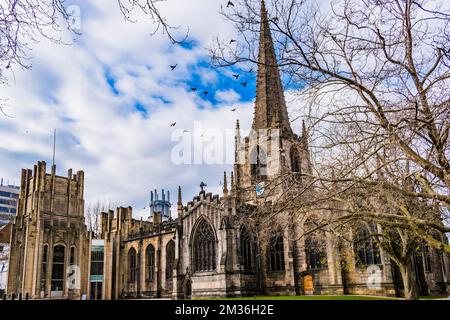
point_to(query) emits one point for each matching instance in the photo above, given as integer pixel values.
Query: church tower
(272, 151)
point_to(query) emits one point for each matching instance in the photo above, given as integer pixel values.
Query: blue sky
(111, 96)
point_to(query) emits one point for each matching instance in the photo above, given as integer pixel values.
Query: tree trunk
(409, 281)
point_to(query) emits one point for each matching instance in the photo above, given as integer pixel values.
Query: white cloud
(123, 152)
(227, 96)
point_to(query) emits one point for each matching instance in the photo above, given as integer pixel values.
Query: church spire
(179, 203)
(225, 184)
(270, 105)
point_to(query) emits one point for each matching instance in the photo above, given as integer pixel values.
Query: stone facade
(48, 235)
(215, 246)
(218, 250)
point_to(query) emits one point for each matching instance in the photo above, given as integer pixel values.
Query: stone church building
(213, 248)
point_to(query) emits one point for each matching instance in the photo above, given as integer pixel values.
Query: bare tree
(150, 8)
(22, 23)
(25, 22)
(375, 78)
(390, 58)
(93, 215)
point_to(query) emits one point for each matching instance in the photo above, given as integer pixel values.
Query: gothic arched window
(132, 265)
(276, 253)
(72, 256)
(258, 163)
(150, 263)
(170, 260)
(295, 161)
(44, 266)
(426, 258)
(367, 251)
(315, 248)
(58, 269)
(204, 248)
(246, 252)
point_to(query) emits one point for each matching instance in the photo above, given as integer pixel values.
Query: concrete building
(5, 235)
(9, 194)
(161, 206)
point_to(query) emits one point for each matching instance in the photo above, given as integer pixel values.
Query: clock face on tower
(259, 188)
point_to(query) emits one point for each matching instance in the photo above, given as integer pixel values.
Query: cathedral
(213, 247)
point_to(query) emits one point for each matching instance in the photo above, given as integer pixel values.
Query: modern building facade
(5, 235)
(9, 195)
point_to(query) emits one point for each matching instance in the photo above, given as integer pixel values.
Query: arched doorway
(308, 284)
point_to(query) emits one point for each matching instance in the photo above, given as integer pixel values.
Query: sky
(112, 97)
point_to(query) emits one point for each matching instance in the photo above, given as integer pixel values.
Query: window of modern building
(97, 257)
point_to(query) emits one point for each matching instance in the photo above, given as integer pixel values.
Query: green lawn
(431, 297)
(324, 297)
(346, 297)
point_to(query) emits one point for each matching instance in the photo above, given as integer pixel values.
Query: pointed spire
(179, 204)
(270, 102)
(232, 182)
(304, 137)
(179, 196)
(237, 142)
(225, 184)
(306, 156)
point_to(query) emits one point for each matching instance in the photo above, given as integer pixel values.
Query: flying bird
(205, 93)
(173, 66)
(185, 131)
(251, 70)
(233, 110)
(193, 89)
(236, 76)
(244, 84)
(230, 4)
(173, 124)
(232, 40)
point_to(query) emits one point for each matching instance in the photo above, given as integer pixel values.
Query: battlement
(49, 193)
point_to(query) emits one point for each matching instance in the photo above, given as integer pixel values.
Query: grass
(431, 297)
(343, 297)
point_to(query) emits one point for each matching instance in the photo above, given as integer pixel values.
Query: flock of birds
(205, 92)
(236, 76)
